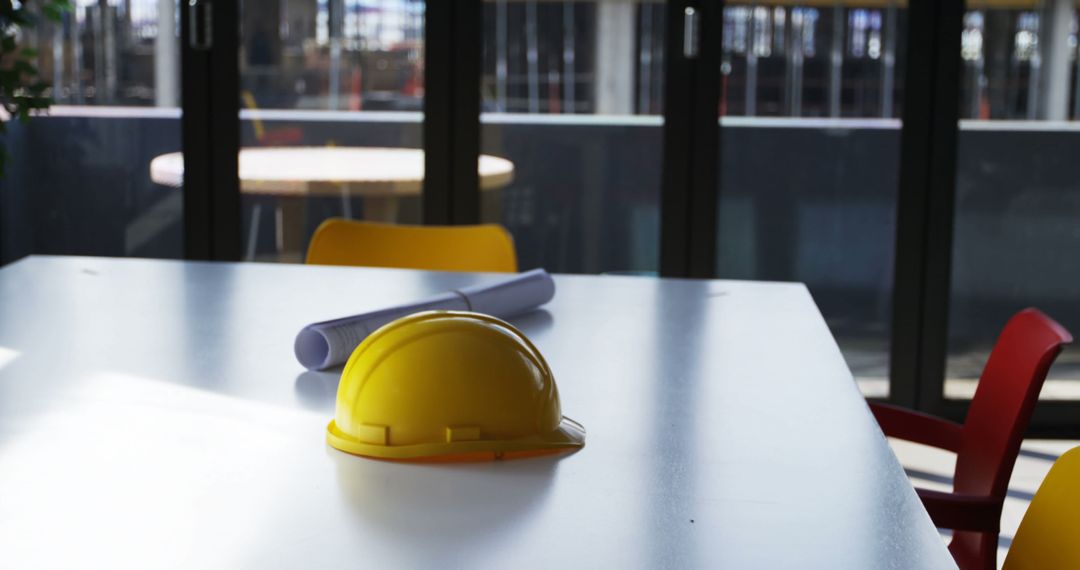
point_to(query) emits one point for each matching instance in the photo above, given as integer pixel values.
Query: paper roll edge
(312, 349)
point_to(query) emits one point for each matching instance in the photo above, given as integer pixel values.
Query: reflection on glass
(78, 180)
(812, 61)
(324, 84)
(817, 88)
(572, 92)
(1015, 238)
(1020, 63)
(113, 53)
(333, 55)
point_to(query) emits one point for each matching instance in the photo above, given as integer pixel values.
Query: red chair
(987, 444)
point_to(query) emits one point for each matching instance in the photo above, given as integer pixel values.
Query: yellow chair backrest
(486, 247)
(1049, 535)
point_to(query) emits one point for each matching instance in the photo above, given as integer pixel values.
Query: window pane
(810, 141)
(1015, 240)
(78, 181)
(327, 87)
(572, 97)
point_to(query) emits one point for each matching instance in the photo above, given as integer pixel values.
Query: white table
(152, 416)
(332, 171)
(381, 176)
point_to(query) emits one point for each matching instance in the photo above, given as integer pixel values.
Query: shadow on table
(318, 390)
(533, 322)
(451, 503)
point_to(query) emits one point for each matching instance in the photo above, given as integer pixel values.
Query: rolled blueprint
(329, 343)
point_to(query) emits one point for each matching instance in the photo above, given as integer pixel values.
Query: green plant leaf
(55, 9)
(22, 90)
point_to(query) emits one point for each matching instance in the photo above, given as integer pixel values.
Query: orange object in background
(273, 137)
(356, 99)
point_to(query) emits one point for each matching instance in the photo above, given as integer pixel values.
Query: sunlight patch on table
(137, 467)
(7, 356)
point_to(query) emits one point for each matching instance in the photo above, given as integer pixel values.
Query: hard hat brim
(570, 435)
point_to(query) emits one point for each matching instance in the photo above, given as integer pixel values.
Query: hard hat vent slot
(373, 434)
(462, 433)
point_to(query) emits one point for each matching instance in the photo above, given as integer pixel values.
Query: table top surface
(152, 415)
(364, 171)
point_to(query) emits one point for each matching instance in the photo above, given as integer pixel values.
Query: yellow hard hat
(449, 385)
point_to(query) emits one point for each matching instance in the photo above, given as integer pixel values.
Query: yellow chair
(1049, 535)
(486, 247)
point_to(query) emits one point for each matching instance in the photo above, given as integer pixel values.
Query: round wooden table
(380, 176)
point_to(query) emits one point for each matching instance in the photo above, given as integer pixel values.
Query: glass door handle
(201, 20)
(690, 33)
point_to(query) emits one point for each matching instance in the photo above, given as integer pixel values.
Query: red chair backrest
(1002, 406)
(1004, 400)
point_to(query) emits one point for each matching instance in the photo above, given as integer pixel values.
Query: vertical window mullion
(925, 203)
(452, 112)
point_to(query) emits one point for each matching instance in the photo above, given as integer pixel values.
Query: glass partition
(572, 96)
(332, 96)
(1017, 185)
(79, 180)
(811, 96)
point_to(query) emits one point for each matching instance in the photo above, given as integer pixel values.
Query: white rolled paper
(329, 343)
